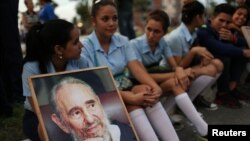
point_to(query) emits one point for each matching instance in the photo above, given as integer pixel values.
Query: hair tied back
(38, 27)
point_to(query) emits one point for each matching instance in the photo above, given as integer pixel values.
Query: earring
(60, 56)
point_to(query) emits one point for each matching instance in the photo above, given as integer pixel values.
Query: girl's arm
(143, 77)
(200, 51)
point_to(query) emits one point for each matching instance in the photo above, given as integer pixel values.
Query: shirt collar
(144, 44)
(93, 39)
(186, 33)
(113, 45)
(51, 68)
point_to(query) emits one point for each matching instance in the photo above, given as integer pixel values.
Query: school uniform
(117, 58)
(180, 41)
(144, 53)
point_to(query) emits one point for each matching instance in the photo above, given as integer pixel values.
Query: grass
(11, 127)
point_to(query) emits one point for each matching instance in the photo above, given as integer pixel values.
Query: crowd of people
(31, 17)
(177, 64)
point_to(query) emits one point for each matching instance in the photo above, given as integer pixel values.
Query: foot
(201, 138)
(228, 100)
(177, 121)
(201, 101)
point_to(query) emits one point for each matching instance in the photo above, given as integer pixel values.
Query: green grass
(11, 127)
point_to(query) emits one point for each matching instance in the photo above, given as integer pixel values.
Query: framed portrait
(80, 105)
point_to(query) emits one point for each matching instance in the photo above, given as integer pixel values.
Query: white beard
(106, 136)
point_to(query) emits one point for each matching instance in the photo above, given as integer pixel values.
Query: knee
(209, 70)
(140, 88)
(171, 86)
(168, 85)
(218, 64)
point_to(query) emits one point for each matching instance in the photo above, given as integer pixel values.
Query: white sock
(169, 103)
(142, 125)
(184, 103)
(209, 85)
(199, 84)
(161, 123)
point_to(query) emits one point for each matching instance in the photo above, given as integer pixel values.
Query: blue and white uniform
(117, 58)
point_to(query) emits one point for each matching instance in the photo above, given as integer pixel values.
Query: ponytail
(42, 39)
(35, 47)
(191, 10)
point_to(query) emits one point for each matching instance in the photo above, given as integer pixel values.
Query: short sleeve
(167, 50)
(129, 52)
(135, 47)
(29, 69)
(84, 62)
(88, 52)
(174, 45)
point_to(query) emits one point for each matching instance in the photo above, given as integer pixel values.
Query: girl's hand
(150, 90)
(141, 88)
(181, 77)
(145, 99)
(204, 62)
(203, 52)
(145, 95)
(233, 26)
(156, 91)
(190, 73)
(226, 34)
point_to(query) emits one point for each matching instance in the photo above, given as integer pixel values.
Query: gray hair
(60, 85)
(53, 104)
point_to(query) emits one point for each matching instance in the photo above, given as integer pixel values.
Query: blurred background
(77, 11)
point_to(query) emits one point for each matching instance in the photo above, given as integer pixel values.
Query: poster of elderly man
(82, 105)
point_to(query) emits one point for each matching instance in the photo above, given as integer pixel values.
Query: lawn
(11, 128)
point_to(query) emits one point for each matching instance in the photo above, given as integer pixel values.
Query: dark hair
(47, 0)
(160, 16)
(42, 38)
(191, 10)
(25, 2)
(224, 8)
(97, 4)
(246, 8)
